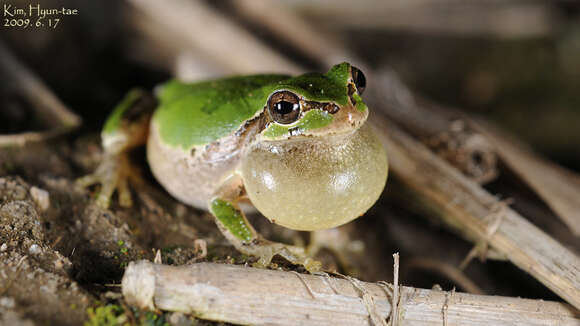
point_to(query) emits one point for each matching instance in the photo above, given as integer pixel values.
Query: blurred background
(516, 63)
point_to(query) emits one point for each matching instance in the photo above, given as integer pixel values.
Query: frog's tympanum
(295, 148)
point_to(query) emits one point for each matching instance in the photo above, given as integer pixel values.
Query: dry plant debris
(244, 295)
(53, 238)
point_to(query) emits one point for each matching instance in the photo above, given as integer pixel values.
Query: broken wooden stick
(244, 295)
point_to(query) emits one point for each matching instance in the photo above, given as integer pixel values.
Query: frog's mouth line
(329, 107)
(343, 120)
(330, 117)
(346, 120)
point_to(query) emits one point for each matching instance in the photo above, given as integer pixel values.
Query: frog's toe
(113, 174)
(294, 255)
(104, 197)
(87, 180)
(124, 193)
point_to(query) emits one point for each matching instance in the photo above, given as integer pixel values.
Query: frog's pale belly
(193, 176)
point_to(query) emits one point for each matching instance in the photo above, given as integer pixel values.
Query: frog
(297, 149)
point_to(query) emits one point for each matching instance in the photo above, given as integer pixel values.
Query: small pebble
(34, 249)
(58, 264)
(3, 247)
(41, 197)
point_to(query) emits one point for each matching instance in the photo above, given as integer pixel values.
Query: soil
(60, 253)
(62, 257)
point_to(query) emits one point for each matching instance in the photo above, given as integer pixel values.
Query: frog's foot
(266, 250)
(113, 173)
(125, 129)
(236, 228)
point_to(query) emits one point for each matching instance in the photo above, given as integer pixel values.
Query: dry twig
(254, 296)
(46, 105)
(481, 247)
(394, 321)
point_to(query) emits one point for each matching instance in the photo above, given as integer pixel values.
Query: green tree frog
(295, 148)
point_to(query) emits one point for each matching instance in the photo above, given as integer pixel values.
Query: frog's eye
(359, 79)
(284, 107)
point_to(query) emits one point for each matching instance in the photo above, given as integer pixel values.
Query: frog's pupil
(285, 107)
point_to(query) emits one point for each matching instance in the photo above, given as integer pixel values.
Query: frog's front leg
(235, 227)
(125, 129)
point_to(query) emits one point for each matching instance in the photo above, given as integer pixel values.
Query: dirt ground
(62, 257)
(60, 253)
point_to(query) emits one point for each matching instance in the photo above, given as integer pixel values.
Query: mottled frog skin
(295, 148)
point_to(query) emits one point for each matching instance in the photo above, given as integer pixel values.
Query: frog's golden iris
(284, 107)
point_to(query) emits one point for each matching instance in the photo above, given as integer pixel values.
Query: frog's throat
(315, 183)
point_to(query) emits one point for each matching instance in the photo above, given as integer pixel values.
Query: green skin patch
(193, 114)
(360, 105)
(232, 219)
(313, 119)
(113, 123)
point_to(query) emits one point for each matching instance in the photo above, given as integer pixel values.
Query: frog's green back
(191, 114)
